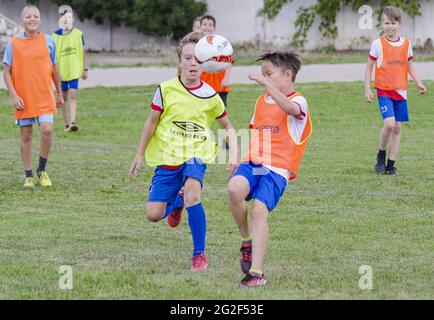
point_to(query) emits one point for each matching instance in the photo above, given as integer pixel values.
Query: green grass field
(338, 216)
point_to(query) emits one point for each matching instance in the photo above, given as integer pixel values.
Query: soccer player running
(281, 127)
(29, 72)
(392, 55)
(177, 140)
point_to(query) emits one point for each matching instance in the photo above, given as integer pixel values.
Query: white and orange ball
(214, 53)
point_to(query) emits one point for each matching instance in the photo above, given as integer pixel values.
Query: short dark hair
(208, 17)
(285, 60)
(393, 13)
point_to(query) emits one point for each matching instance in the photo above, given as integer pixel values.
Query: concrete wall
(238, 21)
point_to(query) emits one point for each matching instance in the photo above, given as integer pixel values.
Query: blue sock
(179, 202)
(197, 222)
(29, 173)
(42, 164)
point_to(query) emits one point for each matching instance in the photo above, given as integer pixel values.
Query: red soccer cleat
(175, 217)
(199, 263)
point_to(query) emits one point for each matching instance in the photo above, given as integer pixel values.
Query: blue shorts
(393, 108)
(167, 183)
(66, 85)
(265, 185)
(31, 121)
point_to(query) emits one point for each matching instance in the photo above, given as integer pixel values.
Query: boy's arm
(17, 102)
(368, 74)
(412, 73)
(85, 68)
(225, 81)
(232, 141)
(55, 75)
(148, 131)
(281, 99)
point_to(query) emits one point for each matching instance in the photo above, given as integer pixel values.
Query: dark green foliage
(151, 17)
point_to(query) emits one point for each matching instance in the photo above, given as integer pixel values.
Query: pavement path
(119, 77)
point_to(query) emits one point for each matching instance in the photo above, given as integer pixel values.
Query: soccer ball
(214, 53)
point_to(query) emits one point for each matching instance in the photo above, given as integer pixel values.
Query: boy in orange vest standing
(281, 128)
(392, 56)
(218, 81)
(29, 73)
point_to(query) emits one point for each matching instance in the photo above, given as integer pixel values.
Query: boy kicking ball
(281, 127)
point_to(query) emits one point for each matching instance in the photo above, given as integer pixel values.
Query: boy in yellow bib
(178, 141)
(281, 128)
(71, 60)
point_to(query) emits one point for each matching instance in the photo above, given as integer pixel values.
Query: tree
(327, 10)
(151, 17)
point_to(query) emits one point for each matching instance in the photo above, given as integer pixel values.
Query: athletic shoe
(199, 263)
(44, 180)
(253, 280)
(67, 129)
(246, 258)
(74, 127)
(391, 171)
(380, 166)
(175, 217)
(30, 182)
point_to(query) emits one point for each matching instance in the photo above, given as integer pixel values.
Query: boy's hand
(59, 99)
(18, 103)
(421, 87)
(258, 77)
(225, 84)
(231, 168)
(84, 76)
(135, 166)
(368, 96)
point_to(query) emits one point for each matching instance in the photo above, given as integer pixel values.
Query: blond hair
(393, 13)
(192, 37)
(28, 7)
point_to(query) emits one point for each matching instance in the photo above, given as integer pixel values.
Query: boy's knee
(258, 216)
(46, 130)
(154, 213)
(192, 198)
(234, 191)
(153, 216)
(72, 95)
(26, 138)
(389, 125)
(397, 128)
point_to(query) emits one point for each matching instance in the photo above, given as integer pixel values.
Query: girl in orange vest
(392, 57)
(29, 73)
(281, 127)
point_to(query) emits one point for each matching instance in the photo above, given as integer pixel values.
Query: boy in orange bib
(281, 127)
(392, 56)
(29, 73)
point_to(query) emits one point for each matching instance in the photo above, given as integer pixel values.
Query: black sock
(42, 164)
(390, 164)
(382, 154)
(29, 173)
